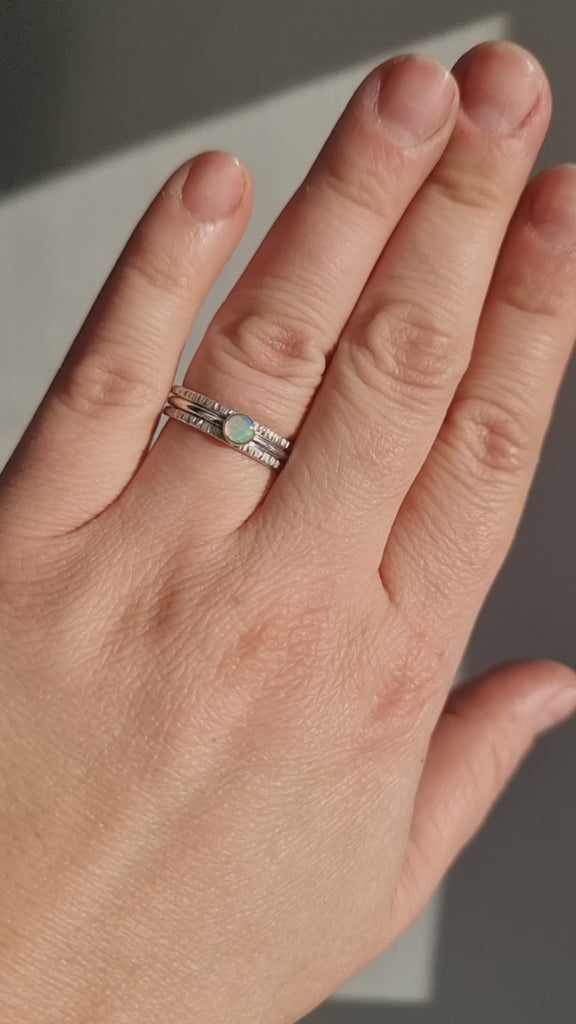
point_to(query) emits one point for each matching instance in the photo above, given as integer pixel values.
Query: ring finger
(266, 350)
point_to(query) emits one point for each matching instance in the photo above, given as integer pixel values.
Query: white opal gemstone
(238, 429)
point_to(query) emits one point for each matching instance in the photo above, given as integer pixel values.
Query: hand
(229, 776)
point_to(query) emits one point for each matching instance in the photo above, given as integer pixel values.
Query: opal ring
(235, 429)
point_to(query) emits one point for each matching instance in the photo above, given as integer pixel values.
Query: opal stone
(238, 429)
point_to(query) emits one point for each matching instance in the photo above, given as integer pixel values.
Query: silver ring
(233, 428)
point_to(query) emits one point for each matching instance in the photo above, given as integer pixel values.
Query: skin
(231, 770)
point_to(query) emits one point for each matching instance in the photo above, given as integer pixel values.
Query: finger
(410, 338)
(484, 733)
(460, 516)
(266, 350)
(96, 421)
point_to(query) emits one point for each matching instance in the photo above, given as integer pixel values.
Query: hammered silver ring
(235, 429)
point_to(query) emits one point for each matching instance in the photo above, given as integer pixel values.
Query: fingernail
(499, 86)
(214, 186)
(414, 99)
(553, 210)
(557, 709)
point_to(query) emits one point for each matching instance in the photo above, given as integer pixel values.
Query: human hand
(229, 775)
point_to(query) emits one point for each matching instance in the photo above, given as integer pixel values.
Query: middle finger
(409, 340)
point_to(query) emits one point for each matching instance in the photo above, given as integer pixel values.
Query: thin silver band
(228, 425)
(210, 418)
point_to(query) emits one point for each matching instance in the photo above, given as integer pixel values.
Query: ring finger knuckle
(284, 348)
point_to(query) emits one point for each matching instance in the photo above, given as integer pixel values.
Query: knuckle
(282, 348)
(495, 766)
(476, 188)
(414, 674)
(535, 294)
(487, 767)
(356, 184)
(495, 438)
(155, 268)
(108, 386)
(402, 347)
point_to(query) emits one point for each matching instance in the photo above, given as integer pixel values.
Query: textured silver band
(235, 429)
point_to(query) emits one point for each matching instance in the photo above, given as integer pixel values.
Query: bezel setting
(238, 429)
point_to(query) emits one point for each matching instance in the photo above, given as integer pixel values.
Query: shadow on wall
(84, 79)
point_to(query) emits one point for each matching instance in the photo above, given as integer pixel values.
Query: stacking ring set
(235, 429)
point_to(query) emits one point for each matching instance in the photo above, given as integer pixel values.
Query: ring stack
(233, 428)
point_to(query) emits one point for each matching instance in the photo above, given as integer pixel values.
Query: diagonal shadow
(83, 79)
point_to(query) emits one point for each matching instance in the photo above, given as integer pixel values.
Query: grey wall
(98, 103)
